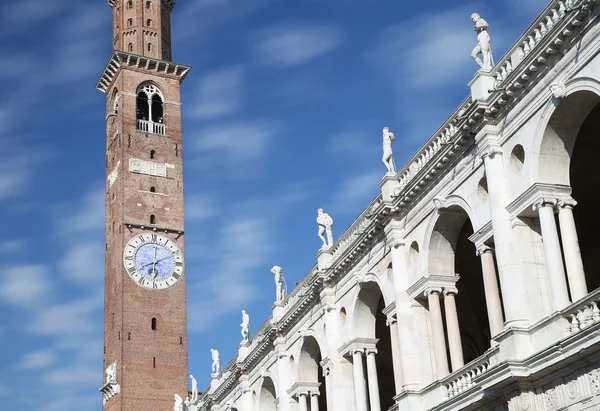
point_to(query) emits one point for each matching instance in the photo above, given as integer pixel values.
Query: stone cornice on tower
(169, 3)
(121, 59)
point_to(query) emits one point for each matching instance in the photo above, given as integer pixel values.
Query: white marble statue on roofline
(178, 403)
(111, 373)
(483, 43)
(325, 222)
(279, 283)
(388, 154)
(194, 388)
(245, 325)
(216, 363)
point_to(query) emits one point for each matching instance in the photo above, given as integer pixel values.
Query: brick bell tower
(145, 324)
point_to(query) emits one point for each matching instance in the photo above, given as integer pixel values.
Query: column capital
(566, 203)
(545, 202)
(391, 320)
(314, 393)
(450, 291)
(371, 351)
(482, 249)
(433, 291)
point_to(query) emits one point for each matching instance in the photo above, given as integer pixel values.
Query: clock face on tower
(153, 261)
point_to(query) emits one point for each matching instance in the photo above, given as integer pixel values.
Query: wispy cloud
(219, 94)
(290, 45)
(84, 262)
(38, 360)
(352, 195)
(26, 286)
(241, 247)
(233, 146)
(11, 247)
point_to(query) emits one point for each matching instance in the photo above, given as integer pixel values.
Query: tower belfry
(145, 326)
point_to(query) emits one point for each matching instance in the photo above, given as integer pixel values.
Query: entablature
(121, 59)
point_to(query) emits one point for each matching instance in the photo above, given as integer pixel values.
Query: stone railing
(355, 230)
(151, 127)
(465, 378)
(298, 291)
(259, 335)
(546, 22)
(584, 314)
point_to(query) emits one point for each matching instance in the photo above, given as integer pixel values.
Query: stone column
(454, 342)
(327, 377)
(570, 242)
(282, 374)
(373, 381)
(360, 390)
(314, 401)
(302, 402)
(492, 294)
(437, 329)
(554, 261)
(407, 335)
(512, 280)
(393, 324)
(246, 394)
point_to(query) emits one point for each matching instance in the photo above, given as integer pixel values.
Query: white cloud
(87, 216)
(242, 246)
(37, 360)
(199, 207)
(72, 376)
(84, 262)
(18, 167)
(11, 247)
(355, 144)
(68, 319)
(290, 45)
(354, 194)
(218, 94)
(25, 285)
(234, 144)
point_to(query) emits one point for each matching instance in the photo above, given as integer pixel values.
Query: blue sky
(282, 112)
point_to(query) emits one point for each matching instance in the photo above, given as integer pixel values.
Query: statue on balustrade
(194, 388)
(216, 364)
(111, 373)
(279, 283)
(245, 325)
(178, 403)
(325, 222)
(483, 43)
(388, 155)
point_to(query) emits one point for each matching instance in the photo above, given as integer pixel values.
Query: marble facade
(472, 282)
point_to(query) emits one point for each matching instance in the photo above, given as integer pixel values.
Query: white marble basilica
(472, 282)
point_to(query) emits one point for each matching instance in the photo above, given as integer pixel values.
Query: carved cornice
(168, 3)
(121, 59)
(358, 345)
(536, 193)
(432, 283)
(304, 388)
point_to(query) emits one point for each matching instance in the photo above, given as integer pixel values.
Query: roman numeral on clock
(154, 238)
(179, 264)
(176, 276)
(131, 270)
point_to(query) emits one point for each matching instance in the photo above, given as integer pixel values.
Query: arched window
(154, 324)
(149, 46)
(152, 219)
(130, 47)
(153, 189)
(150, 108)
(129, 22)
(149, 5)
(149, 22)
(130, 4)
(152, 154)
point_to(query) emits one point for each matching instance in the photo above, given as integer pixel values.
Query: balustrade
(151, 127)
(584, 314)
